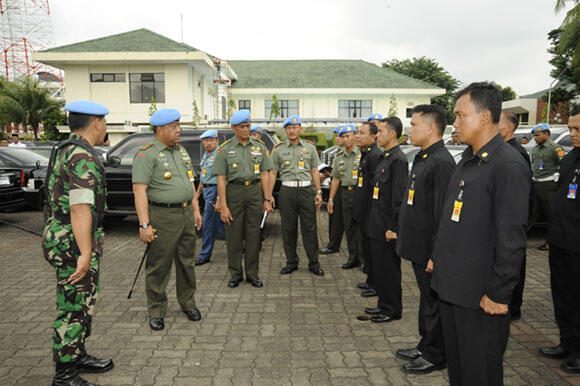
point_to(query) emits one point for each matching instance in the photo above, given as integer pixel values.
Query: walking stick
(139, 269)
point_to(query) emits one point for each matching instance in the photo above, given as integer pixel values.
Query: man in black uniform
(564, 241)
(335, 222)
(366, 140)
(508, 123)
(387, 193)
(418, 223)
(481, 240)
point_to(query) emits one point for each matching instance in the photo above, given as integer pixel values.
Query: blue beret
(86, 107)
(540, 127)
(241, 116)
(347, 129)
(164, 117)
(256, 129)
(293, 120)
(375, 117)
(337, 130)
(209, 134)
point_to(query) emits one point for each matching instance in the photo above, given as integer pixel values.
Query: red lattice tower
(25, 26)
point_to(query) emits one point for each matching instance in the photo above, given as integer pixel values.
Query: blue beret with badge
(239, 117)
(347, 129)
(541, 127)
(375, 117)
(164, 117)
(86, 107)
(292, 120)
(209, 134)
(256, 129)
(337, 130)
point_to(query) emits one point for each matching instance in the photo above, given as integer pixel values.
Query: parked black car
(11, 193)
(33, 166)
(120, 201)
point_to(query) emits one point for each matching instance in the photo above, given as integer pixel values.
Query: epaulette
(259, 140)
(340, 152)
(310, 142)
(226, 141)
(278, 144)
(146, 147)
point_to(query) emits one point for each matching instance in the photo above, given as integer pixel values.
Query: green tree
(570, 31)
(562, 61)
(196, 117)
(393, 107)
(152, 106)
(507, 93)
(51, 121)
(26, 102)
(274, 108)
(428, 70)
(231, 108)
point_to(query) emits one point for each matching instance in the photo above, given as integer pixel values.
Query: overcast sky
(504, 41)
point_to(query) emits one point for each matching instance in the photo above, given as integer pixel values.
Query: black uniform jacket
(513, 143)
(564, 228)
(422, 203)
(367, 167)
(390, 179)
(482, 231)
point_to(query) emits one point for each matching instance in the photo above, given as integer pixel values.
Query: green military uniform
(169, 177)
(77, 178)
(294, 163)
(546, 160)
(345, 167)
(335, 222)
(242, 165)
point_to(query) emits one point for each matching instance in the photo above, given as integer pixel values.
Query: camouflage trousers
(74, 302)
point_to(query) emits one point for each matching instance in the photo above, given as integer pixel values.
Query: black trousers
(366, 253)
(387, 275)
(518, 294)
(335, 224)
(431, 343)
(565, 280)
(474, 345)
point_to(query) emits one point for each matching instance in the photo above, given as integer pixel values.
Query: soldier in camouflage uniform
(73, 239)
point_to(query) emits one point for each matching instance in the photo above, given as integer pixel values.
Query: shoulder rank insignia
(340, 152)
(146, 147)
(226, 141)
(310, 142)
(278, 144)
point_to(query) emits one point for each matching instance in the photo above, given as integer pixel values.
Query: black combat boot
(89, 364)
(67, 375)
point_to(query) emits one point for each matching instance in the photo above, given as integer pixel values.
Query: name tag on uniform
(355, 174)
(410, 197)
(541, 165)
(456, 211)
(203, 172)
(301, 165)
(376, 193)
(256, 168)
(360, 182)
(190, 175)
(572, 190)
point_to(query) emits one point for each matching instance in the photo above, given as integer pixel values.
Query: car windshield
(43, 151)
(126, 151)
(15, 157)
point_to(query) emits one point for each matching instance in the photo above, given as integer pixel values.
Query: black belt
(243, 182)
(209, 185)
(184, 204)
(349, 187)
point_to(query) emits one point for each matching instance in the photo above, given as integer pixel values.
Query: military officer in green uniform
(345, 177)
(296, 160)
(242, 165)
(163, 185)
(546, 159)
(73, 239)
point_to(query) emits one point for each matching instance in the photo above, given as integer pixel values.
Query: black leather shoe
(515, 316)
(421, 366)
(372, 311)
(89, 364)
(327, 251)
(368, 293)
(68, 375)
(286, 270)
(193, 315)
(350, 265)
(234, 283)
(544, 247)
(381, 318)
(556, 352)
(363, 286)
(409, 354)
(317, 271)
(201, 262)
(156, 324)
(256, 282)
(572, 366)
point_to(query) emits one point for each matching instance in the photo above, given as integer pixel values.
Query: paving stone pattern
(299, 329)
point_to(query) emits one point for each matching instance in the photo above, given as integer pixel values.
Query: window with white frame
(353, 108)
(288, 107)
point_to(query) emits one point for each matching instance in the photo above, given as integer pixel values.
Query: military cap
(375, 117)
(541, 127)
(347, 129)
(209, 134)
(164, 117)
(337, 130)
(86, 107)
(293, 120)
(239, 117)
(256, 129)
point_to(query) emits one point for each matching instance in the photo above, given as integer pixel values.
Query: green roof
(140, 40)
(563, 84)
(319, 74)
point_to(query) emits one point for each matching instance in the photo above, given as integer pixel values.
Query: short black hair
(373, 129)
(436, 113)
(575, 111)
(485, 96)
(78, 121)
(512, 118)
(395, 124)
(14, 134)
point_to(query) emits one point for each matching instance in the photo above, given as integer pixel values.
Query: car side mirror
(37, 164)
(114, 162)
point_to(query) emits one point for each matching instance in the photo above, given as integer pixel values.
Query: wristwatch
(144, 225)
(319, 192)
(268, 199)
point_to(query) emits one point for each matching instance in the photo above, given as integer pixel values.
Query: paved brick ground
(298, 330)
